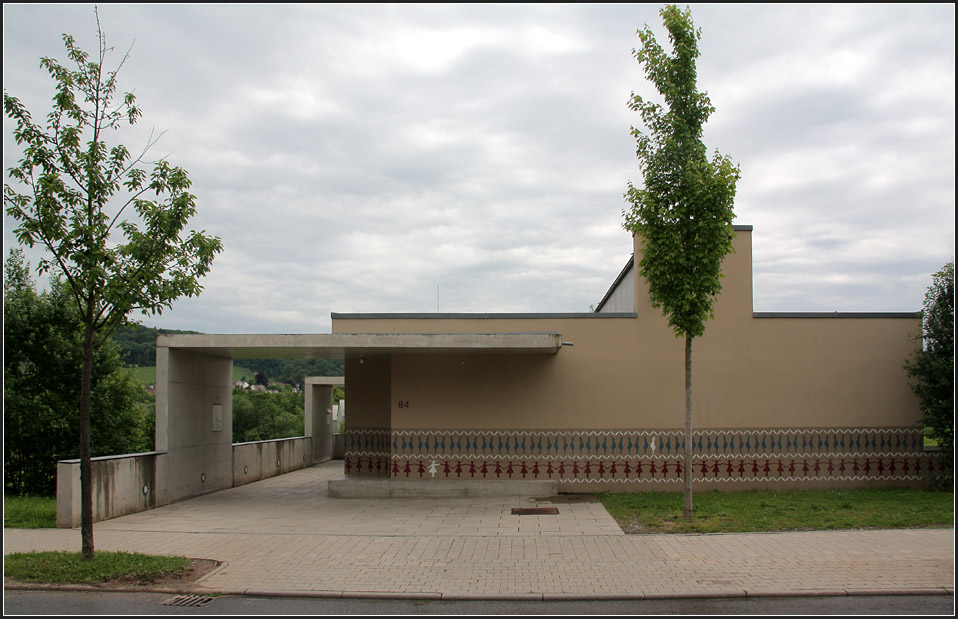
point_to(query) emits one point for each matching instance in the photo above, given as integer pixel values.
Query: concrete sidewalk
(285, 536)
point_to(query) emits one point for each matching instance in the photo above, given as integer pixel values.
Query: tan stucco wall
(814, 372)
(368, 383)
(624, 373)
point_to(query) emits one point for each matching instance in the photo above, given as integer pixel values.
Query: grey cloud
(343, 175)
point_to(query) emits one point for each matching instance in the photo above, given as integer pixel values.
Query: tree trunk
(86, 467)
(688, 428)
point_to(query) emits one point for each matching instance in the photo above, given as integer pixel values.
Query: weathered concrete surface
(194, 422)
(318, 414)
(263, 459)
(122, 485)
(336, 345)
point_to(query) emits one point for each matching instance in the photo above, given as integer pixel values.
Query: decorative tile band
(644, 457)
(646, 443)
(367, 452)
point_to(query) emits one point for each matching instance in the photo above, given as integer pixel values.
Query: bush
(932, 366)
(43, 361)
(261, 416)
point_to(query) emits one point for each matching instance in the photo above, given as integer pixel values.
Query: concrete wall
(262, 459)
(121, 485)
(131, 483)
(194, 440)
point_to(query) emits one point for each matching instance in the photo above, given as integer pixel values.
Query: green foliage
(147, 406)
(69, 567)
(146, 375)
(260, 416)
(784, 510)
(294, 371)
(29, 512)
(43, 362)
(932, 366)
(684, 212)
(138, 343)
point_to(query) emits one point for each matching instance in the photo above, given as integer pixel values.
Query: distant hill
(138, 343)
(294, 371)
(138, 347)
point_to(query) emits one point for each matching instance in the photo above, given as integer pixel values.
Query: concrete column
(194, 423)
(318, 409)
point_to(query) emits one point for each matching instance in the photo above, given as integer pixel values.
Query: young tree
(683, 214)
(72, 192)
(932, 367)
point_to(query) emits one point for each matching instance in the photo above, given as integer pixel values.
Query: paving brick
(285, 535)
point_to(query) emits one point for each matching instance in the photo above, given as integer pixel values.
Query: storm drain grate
(187, 600)
(534, 511)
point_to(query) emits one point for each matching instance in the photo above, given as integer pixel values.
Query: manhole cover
(534, 511)
(187, 600)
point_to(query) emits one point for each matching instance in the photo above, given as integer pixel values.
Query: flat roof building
(592, 401)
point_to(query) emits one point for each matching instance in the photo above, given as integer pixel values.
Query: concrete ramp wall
(262, 459)
(133, 482)
(121, 485)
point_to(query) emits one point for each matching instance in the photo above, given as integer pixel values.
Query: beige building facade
(800, 400)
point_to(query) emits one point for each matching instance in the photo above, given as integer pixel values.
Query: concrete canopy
(195, 392)
(342, 345)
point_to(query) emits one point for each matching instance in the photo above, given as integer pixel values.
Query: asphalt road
(100, 603)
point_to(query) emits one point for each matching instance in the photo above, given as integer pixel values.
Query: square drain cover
(534, 511)
(187, 600)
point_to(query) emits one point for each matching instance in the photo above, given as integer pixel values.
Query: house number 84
(403, 403)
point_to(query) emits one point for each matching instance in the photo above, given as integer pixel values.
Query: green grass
(69, 567)
(30, 512)
(239, 372)
(766, 510)
(147, 375)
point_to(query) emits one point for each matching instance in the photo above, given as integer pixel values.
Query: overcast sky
(358, 158)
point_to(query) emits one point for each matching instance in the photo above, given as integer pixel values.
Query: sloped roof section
(615, 285)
